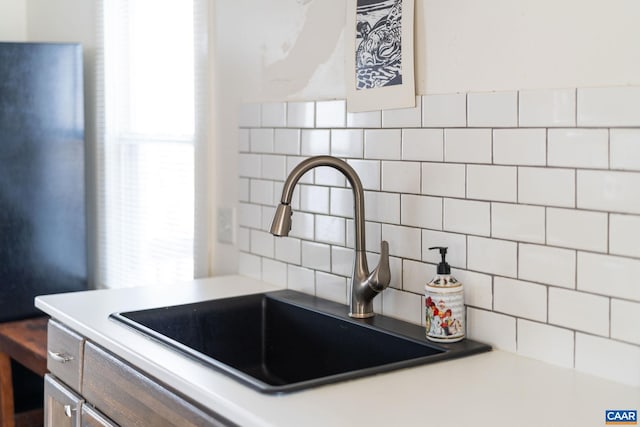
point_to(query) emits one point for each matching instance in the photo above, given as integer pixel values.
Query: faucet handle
(381, 276)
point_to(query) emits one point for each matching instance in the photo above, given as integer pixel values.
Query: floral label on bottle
(445, 316)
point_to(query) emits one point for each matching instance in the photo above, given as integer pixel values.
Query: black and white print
(378, 43)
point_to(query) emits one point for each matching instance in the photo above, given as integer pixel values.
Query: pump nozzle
(443, 267)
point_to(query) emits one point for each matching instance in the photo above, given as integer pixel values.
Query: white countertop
(489, 389)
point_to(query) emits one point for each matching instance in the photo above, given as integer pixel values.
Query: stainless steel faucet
(364, 285)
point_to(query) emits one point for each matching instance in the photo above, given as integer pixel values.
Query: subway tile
(301, 279)
(497, 330)
(331, 287)
(342, 260)
(545, 264)
(608, 359)
(262, 243)
(518, 222)
(341, 202)
(382, 207)
(261, 191)
(492, 256)
(444, 110)
(496, 183)
(467, 145)
(467, 216)
(423, 144)
(287, 141)
(250, 265)
(566, 227)
(579, 311)
(402, 305)
(405, 242)
(520, 147)
(331, 114)
(243, 140)
(421, 211)
(382, 144)
(521, 299)
(401, 177)
(292, 162)
(288, 249)
(326, 175)
(582, 148)
(395, 267)
(243, 189)
(368, 171)
(373, 232)
(261, 140)
(347, 143)
(274, 167)
(367, 119)
(545, 342)
(609, 106)
(316, 256)
(302, 225)
(609, 191)
(249, 115)
(547, 186)
(624, 235)
(625, 318)
(267, 213)
(330, 229)
(315, 142)
(403, 117)
(494, 109)
(301, 114)
(249, 215)
(547, 108)
(456, 244)
(477, 288)
(625, 149)
(274, 114)
(244, 239)
(609, 275)
(250, 165)
(314, 199)
(274, 272)
(441, 179)
(415, 275)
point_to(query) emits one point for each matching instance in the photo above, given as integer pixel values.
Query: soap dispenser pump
(444, 304)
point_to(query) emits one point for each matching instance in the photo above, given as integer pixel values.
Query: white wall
(13, 20)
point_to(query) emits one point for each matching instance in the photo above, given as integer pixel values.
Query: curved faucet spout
(364, 285)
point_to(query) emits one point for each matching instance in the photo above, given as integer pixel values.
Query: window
(151, 105)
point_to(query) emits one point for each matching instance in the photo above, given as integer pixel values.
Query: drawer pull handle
(68, 410)
(60, 357)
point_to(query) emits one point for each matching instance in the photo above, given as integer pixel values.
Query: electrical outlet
(225, 225)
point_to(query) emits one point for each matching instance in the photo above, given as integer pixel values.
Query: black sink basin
(285, 340)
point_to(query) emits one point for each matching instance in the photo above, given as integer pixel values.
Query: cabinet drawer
(61, 405)
(65, 350)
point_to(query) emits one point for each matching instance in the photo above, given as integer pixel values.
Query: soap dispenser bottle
(444, 304)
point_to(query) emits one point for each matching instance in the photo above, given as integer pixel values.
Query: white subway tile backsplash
(301, 114)
(342, 202)
(261, 140)
(518, 222)
(267, 213)
(274, 167)
(301, 279)
(330, 229)
(467, 145)
(609, 106)
(382, 207)
(262, 243)
(367, 119)
(497, 183)
(457, 244)
(405, 242)
(302, 225)
(243, 189)
(249, 115)
(467, 216)
(292, 162)
(546, 186)
(315, 142)
(495, 109)
(547, 108)
(441, 179)
(402, 305)
(415, 275)
(624, 235)
(382, 144)
(403, 117)
(521, 299)
(288, 249)
(243, 140)
(326, 175)
(625, 318)
(423, 144)
(347, 143)
(249, 215)
(368, 171)
(581, 148)
(609, 359)
(331, 114)
(544, 342)
(579, 311)
(274, 114)
(250, 265)
(261, 191)
(492, 256)
(250, 165)
(316, 256)
(331, 287)
(609, 275)
(401, 177)
(520, 147)
(244, 239)
(625, 149)
(287, 141)
(421, 211)
(314, 199)
(492, 328)
(609, 191)
(373, 231)
(545, 264)
(274, 271)
(342, 261)
(444, 110)
(566, 227)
